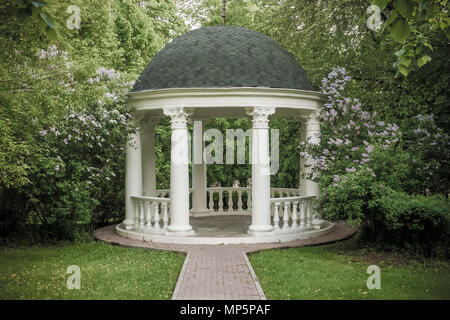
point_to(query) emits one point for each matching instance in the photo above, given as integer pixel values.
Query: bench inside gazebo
(212, 72)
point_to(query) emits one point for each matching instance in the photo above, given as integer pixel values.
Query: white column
(312, 129)
(148, 157)
(302, 185)
(198, 170)
(179, 172)
(260, 171)
(133, 176)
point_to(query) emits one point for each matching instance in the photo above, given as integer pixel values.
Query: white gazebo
(230, 72)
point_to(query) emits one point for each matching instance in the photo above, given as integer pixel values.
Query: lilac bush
(367, 168)
(77, 168)
(350, 136)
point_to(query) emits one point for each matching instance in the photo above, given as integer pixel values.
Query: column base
(128, 224)
(260, 230)
(180, 230)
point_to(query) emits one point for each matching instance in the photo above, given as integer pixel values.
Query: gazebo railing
(229, 200)
(233, 200)
(292, 213)
(151, 213)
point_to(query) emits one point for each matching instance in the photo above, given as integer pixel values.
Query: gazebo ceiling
(223, 57)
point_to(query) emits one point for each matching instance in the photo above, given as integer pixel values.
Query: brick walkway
(219, 272)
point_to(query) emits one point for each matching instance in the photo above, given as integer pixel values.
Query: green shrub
(417, 222)
(389, 218)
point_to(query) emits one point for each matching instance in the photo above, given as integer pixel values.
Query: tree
(411, 23)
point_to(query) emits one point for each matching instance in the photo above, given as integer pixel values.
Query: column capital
(147, 124)
(311, 121)
(260, 116)
(178, 117)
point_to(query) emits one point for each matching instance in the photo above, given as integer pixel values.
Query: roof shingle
(223, 56)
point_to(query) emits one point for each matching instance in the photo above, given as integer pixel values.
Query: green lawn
(107, 272)
(329, 273)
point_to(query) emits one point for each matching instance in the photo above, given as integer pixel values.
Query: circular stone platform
(223, 230)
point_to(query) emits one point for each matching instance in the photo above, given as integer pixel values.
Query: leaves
(47, 20)
(403, 69)
(400, 30)
(405, 8)
(392, 16)
(381, 3)
(423, 60)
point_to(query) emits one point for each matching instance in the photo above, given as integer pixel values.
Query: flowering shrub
(351, 138)
(76, 165)
(361, 162)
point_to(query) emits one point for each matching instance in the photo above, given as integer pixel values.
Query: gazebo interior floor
(221, 226)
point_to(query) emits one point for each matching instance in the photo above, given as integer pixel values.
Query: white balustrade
(221, 201)
(276, 217)
(290, 206)
(147, 212)
(295, 211)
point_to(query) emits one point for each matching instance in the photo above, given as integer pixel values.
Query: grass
(107, 272)
(337, 272)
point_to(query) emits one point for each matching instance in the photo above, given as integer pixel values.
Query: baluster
(136, 214)
(249, 200)
(276, 217)
(294, 215)
(141, 214)
(302, 214)
(220, 201)
(286, 208)
(239, 204)
(230, 200)
(165, 212)
(308, 213)
(148, 215)
(211, 201)
(156, 216)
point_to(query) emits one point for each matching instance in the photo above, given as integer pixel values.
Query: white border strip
(181, 277)
(255, 278)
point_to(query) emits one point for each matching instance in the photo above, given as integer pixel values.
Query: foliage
(428, 146)
(63, 112)
(74, 158)
(410, 22)
(352, 139)
(419, 223)
(390, 218)
(36, 10)
(360, 160)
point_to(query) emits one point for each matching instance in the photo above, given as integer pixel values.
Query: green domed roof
(223, 56)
